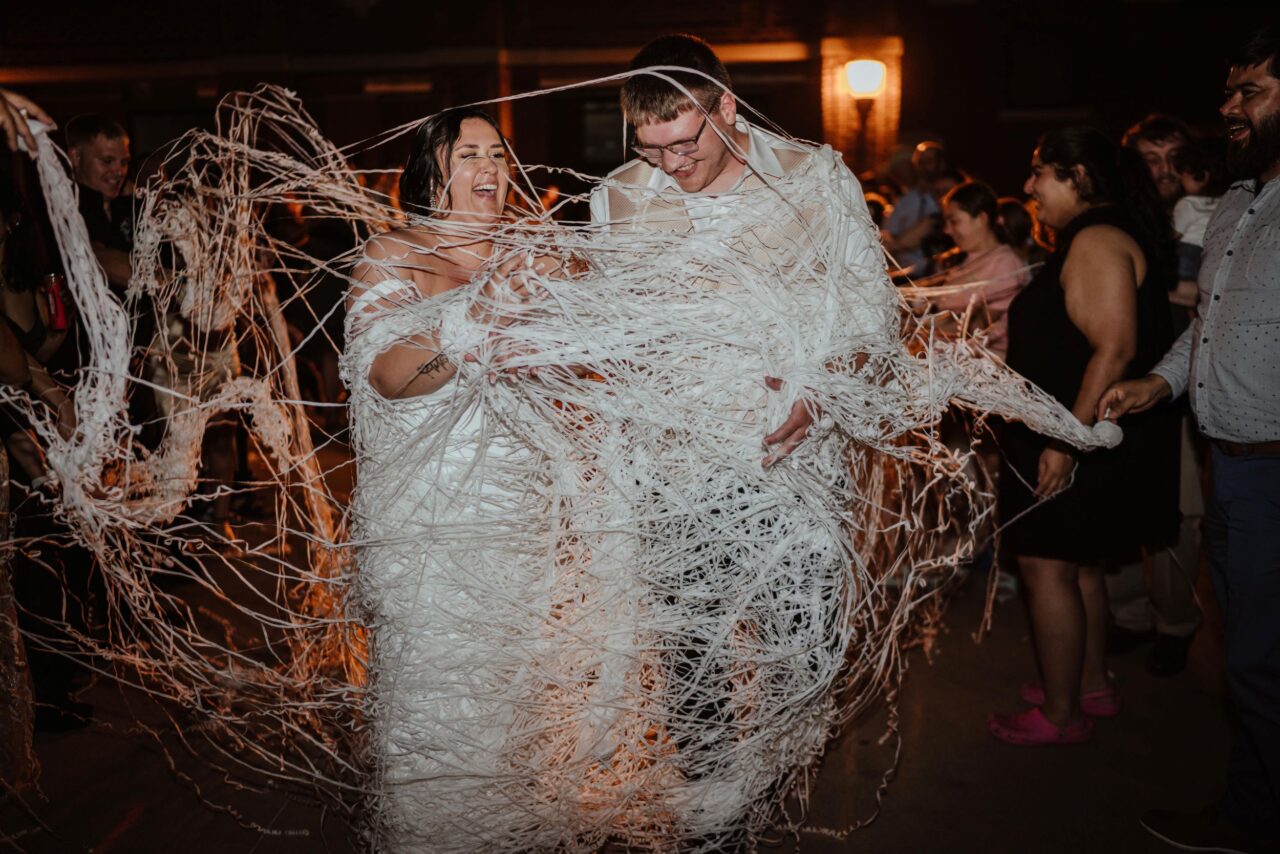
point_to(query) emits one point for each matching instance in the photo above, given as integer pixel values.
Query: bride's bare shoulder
(401, 244)
(417, 255)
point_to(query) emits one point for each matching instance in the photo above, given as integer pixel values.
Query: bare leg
(1093, 594)
(1058, 626)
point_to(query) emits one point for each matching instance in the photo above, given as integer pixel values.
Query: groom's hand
(793, 431)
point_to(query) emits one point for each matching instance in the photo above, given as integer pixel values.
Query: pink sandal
(1031, 728)
(1095, 704)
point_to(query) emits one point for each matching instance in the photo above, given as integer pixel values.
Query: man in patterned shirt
(1229, 362)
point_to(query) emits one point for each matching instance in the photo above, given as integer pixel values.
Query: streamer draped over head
(571, 607)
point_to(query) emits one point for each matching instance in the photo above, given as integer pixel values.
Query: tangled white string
(597, 616)
(260, 647)
(593, 614)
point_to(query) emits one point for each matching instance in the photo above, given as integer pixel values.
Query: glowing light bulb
(866, 77)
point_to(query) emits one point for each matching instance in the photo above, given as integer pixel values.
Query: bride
(435, 475)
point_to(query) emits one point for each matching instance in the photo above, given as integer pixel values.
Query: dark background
(985, 76)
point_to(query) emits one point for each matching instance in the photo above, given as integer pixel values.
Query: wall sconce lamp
(866, 79)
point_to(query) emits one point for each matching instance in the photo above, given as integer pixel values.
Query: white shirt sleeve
(1175, 367)
(876, 314)
(599, 204)
(1183, 216)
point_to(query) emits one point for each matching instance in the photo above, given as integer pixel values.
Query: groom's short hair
(647, 99)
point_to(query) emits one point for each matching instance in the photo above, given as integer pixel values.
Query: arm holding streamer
(1100, 281)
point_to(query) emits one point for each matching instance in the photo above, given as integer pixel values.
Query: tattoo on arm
(432, 366)
(428, 367)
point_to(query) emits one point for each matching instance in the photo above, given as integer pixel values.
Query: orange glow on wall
(841, 122)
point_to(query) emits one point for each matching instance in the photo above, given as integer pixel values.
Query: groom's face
(695, 170)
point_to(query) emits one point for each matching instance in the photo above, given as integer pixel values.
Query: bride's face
(477, 173)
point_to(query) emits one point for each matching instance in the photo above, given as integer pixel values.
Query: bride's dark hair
(424, 178)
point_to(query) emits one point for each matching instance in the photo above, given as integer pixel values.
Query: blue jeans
(1242, 535)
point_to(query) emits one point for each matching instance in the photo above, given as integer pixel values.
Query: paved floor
(109, 788)
(959, 790)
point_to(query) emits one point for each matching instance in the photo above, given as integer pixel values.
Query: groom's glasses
(680, 148)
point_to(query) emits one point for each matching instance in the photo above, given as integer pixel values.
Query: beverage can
(55, 287)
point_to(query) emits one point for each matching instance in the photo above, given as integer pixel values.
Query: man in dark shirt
(99, 151)
(1157, 140)
(1163, 599)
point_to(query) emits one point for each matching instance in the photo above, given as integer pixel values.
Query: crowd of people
(1139, 269)
(1141, 237)
(177, 360)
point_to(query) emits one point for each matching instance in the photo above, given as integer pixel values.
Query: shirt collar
(1254, 185)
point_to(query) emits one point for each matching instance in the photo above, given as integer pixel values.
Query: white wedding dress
(434, 489)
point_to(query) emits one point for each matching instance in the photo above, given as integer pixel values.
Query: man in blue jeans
(1229, 362)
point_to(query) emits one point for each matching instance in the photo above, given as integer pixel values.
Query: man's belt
(1247, 449)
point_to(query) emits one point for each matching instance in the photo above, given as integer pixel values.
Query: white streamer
(584, 612)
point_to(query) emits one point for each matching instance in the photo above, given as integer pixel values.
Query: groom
(694, 151)
(697, 160)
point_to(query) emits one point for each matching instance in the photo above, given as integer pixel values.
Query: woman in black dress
(1097, 312)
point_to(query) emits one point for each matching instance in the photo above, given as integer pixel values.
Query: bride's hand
(513, 282)
(523, 270)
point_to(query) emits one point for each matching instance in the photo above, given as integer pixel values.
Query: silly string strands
(566, 604)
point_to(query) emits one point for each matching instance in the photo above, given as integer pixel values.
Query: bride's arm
(384, 280)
